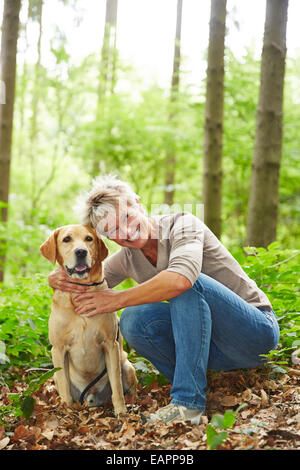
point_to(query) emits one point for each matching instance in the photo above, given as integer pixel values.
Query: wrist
(122, 298)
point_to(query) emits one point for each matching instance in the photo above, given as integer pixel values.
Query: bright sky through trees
(146, 30)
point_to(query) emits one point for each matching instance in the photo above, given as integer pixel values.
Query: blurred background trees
(263, 204)
(213, 135)
(221, 129)
(74, 119)
(10, 28)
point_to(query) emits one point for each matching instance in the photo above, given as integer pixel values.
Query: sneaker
(171, 412)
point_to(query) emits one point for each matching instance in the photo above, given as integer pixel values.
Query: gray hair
(107, 193)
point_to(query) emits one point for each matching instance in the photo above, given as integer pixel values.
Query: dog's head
(77, 248)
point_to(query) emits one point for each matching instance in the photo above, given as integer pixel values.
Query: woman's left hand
(95, 302)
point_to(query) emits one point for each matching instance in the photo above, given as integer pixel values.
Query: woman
(215, 318)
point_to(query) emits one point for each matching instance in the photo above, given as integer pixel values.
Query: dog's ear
(103, 251)
(49, 247)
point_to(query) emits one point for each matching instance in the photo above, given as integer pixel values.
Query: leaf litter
(270, 418)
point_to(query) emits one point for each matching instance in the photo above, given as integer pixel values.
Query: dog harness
(90, 385)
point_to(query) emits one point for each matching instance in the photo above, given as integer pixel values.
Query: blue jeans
(206, 327)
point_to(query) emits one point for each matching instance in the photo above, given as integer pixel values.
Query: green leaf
(140, 365)
(210, 433)
(27, 406)
(229, 419)
(36, 383)
(218, 439)
(214, 438)
(217, 421)
(47, 375)
(241, 407)
(278, 370)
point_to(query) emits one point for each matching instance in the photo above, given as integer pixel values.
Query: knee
(130, 322)
(145, 320)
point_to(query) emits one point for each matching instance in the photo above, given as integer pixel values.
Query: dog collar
(89, 285)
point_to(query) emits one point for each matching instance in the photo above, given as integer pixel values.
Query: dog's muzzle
(81, 266)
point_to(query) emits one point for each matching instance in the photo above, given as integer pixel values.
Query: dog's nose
(81, 252)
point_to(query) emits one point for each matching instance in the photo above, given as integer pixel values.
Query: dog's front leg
(60, 359)
(113, 365)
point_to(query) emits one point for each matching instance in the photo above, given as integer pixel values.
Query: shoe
(171, 412)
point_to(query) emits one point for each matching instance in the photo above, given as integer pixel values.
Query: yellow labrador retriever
(89, 351)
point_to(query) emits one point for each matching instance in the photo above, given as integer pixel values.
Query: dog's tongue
(80, 268)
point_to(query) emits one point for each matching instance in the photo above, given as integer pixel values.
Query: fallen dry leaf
(295, 357)
(247, 395)
(245, 413)
(83, 429)
(294, 372)
(4, 442)
(21, 432)
(127, 431)
(229, 400)
(48, 434)
(264, 398)
(272, 405)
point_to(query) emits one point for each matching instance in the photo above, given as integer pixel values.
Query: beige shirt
(188, 247)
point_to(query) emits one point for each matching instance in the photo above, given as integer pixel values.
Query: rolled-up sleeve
(114, 269)
(186, 243)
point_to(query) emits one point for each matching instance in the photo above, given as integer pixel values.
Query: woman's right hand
(59, 279)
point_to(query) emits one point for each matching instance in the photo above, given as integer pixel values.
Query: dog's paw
(120, 410)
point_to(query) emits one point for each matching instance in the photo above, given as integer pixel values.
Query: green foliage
(25, 309)
(214, 437)
(130, 133)
(146, 372)
(24, 313)
(277, 273)
(23, 404)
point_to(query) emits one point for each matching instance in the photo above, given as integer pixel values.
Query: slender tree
(108, 53)
(171, 152)
(37, 7)
(10, 27)
(263, 204)
(107, 77)
(213, 128)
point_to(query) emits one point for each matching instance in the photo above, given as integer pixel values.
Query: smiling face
(77, 248)
(128, 226)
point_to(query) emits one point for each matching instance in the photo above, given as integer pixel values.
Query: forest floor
(270, 420)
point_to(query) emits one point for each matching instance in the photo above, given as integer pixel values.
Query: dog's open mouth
(79, 269)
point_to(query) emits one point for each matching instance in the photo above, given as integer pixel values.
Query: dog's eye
(67, 239)
(89, 239)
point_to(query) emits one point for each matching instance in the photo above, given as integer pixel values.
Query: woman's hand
(94, 302)
(59, 279)
(164, 286)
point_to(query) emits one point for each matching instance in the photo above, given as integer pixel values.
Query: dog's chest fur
(84, 337)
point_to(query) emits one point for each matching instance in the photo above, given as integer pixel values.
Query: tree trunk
(33, 133)
(108, 53)
(263, 204)
(10, 27)
(171, 153)
(213, 129)
(107, 80)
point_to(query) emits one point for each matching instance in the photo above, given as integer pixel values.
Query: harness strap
(90, 385)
